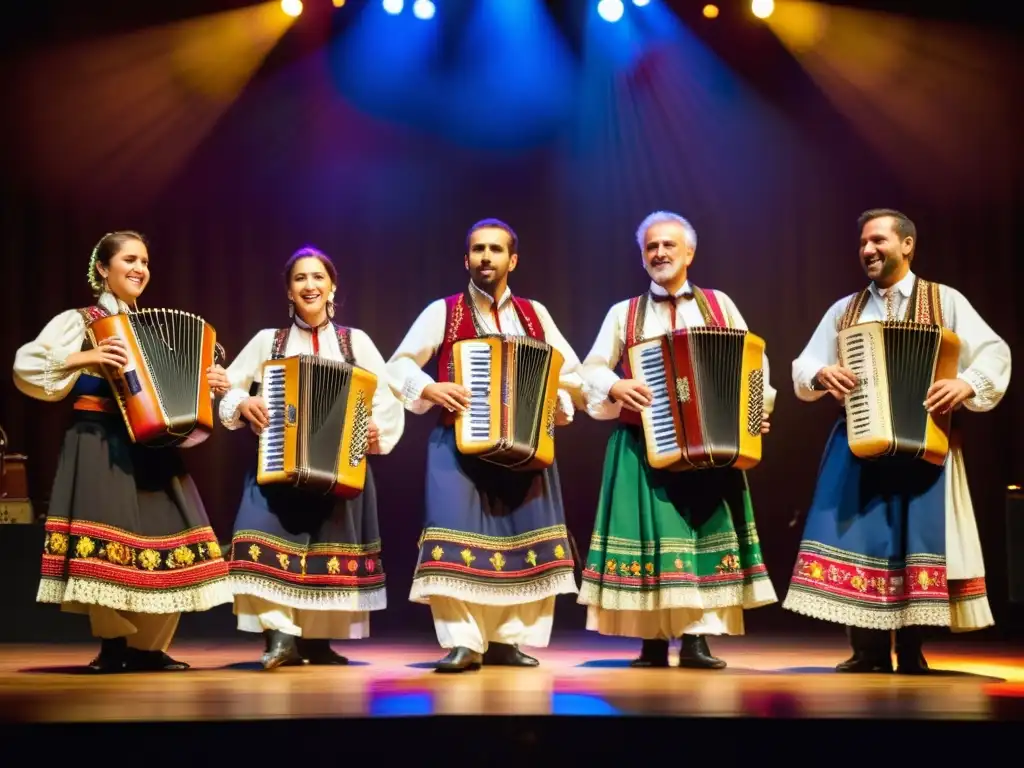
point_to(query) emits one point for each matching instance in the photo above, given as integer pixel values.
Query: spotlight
(423, 9)
(291, 7)
(338, 3)
(610, 10)
(710, 11)
(394, 6)
(641, 3)
(762, 8)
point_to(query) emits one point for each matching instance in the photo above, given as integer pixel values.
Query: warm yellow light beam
(937, 101)
(123, 114)
(762, 8)
(291, 7)
(710, 11)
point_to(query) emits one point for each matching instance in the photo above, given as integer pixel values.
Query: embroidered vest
(92, 383)
(344, 343)
(461, 323)
(710, 310)
(925, 306)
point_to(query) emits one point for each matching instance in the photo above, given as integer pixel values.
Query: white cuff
(564, 404)
(228, 410)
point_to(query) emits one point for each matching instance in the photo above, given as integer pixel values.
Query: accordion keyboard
(476, 362)
(272, 438)
(652, 372)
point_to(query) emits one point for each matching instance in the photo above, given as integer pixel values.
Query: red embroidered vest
(710, 310)
(460, 324)
(344, 343)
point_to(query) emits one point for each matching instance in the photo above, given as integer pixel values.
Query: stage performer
(128, 541)
(673, 554)
(306, 568)
(892, 544)
(494, 551)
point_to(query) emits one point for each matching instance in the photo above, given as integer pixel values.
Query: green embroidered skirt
(672, 540)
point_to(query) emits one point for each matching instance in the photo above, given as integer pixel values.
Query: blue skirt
(492, 536)
(304, 550)
(873, 553)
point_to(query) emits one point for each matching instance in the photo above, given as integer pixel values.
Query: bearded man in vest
(891, 546)
(494, 551)
(673, 554)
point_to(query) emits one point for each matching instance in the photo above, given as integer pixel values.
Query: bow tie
(673, 299)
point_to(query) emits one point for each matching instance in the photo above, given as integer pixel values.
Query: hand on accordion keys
(838, 380)
(633, 394)
(254, 410)
(447, 394)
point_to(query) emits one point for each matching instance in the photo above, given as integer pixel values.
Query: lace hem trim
(120, 598)
(825, 608)
(423, 587)
(755, 594)
(310, 599)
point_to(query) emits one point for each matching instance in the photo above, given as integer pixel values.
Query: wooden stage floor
(583, 676)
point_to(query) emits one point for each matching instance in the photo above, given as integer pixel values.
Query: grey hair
(664, 217)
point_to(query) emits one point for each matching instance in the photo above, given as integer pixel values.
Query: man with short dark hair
(494, 551)
(892, 544)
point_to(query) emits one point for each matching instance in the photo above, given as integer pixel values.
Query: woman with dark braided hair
(128, 541)
(306, 568)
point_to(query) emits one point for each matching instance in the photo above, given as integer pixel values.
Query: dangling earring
(330, 310)
(291, 309)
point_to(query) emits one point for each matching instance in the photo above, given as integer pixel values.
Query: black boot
(151, 661)
(872, 651)
(111, 657)
(280, 651)
(695, 654)
(505, 655)
(653, 653)
(909, 657)
(319, 652)
(459, 660)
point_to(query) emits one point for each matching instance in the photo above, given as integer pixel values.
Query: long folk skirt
(669, 548)
(874, 548)
(492, 536)
(126, 527)
(308, 551)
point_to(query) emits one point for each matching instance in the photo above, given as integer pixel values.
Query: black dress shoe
(872, 651)
(111, 657)
(653, 653)
(866, 662)
(909, 657)
(151, 661)
(281, 650)
(319, 652)
(505, 655)
(459, 660)
(695, 654)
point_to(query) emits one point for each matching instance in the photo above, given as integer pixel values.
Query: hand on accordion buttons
(447, 394)
(946, 394)
(217, 378)
(633, 394)
(111, 351)
(373, 438)
(254, 410)
(838, 380)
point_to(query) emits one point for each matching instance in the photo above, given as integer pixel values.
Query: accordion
(162, 392)
(513, 384)
(896, 363)
(707, 386)
(318, 434)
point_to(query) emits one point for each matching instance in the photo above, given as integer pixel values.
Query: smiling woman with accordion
(127, 538)
(305, 555)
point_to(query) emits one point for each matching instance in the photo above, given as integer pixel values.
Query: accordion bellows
(513, 384)
(707, 385)
(897, 363)
(162, 392)
(318, 434)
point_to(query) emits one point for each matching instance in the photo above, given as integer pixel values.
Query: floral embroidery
(559, 552)
(467, 556)
(634, 568)
(729, 564)
(371, 565)
(333, 566)
(497, 560)
(437, 552)
(117, 553)
(649, 568)
(58, 543)
(254, 553)
(353, 566)
(149, 559)
(609, 567)
(214, 549)
(531, 558)
(181, 556)
(85, 547)
(678, 564)
(283, 559)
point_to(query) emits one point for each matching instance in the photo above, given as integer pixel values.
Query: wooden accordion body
(513, 383)
(896, 363)
(318, 434)
(708, 398)
(162, 392)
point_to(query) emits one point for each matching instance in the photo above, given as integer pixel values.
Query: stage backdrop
(771, 150)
